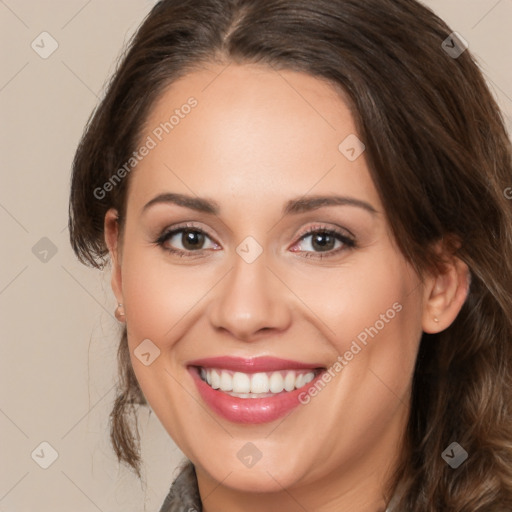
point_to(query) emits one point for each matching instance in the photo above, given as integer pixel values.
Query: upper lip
(252, 365)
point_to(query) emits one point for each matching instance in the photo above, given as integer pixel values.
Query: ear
(445, 294)
(112, 240)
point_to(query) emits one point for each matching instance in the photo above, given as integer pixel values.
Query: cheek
(160, 298)
(374, 315)
(162, 302)
(381, 330)
(373, 312)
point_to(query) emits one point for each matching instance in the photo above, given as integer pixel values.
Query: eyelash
(347, 241)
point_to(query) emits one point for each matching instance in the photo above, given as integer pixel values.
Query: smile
(252, 391)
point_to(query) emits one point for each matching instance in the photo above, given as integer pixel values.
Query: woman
(341, 338)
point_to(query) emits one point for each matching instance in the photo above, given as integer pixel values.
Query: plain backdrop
(59, 336)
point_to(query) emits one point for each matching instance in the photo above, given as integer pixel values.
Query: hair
(435, 138)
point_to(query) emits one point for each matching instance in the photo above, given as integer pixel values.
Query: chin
(263, 479)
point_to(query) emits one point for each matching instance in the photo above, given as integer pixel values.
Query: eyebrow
(305, 204)
(292, 207)
(194, 203)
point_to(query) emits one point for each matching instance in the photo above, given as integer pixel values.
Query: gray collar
(184, 493)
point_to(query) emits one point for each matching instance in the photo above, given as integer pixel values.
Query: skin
(257, 139)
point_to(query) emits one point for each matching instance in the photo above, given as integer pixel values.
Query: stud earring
(119, 313)
(436, 320)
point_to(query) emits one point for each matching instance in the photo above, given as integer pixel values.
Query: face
(229, 250)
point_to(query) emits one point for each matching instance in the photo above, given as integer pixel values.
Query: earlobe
(445, 294)
(111, 232)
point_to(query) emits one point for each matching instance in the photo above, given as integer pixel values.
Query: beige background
(58, 334)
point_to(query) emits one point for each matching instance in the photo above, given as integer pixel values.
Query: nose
(251, 301)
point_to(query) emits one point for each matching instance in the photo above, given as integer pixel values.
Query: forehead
(250, 131)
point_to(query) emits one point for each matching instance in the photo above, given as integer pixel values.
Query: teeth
(276, 382)
(215, 378)
(226, 383)
(241, 382)
(308, 378)
(289, 381)
(259, 383)
(256, 385)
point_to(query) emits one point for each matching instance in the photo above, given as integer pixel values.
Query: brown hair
(440, 158)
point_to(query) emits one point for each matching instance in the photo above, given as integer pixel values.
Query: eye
(318, 240)
(185, 239)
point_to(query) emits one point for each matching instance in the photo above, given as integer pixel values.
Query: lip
(249, 410)
(253, 365)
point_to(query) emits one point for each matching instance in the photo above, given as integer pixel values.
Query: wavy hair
(440, 158)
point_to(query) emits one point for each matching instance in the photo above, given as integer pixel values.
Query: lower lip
(249, 410)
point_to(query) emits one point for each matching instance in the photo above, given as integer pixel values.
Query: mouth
(252, 391)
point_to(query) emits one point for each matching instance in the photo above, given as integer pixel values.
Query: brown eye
(321, 243)
(191, 240)
(183, 240)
